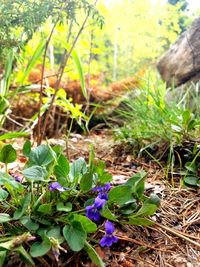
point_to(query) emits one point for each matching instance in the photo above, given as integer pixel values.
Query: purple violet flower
(109, 238)
(99, 203)
(92, 212)
(18, 179)
(56, 186)
(109, 227)
(97, 189)
(107, 187)
(102, 191)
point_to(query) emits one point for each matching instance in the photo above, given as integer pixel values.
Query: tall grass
(150, 123)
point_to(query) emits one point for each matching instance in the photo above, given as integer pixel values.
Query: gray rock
(181, 63)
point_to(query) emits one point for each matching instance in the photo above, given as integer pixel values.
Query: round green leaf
(88, 225)
(3, 194)
(35, 173)
(191, 180)
(39, 249)
(61, 207)
(40, 156)
(120, 194)
(8, 154)
(75, 235)
(86, 182)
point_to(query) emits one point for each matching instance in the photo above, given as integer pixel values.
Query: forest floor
(174, 239)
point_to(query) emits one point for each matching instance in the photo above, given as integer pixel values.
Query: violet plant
(57, 206)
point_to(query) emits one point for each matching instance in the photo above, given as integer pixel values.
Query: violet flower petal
(109, 227)
(92, 213)
(56, 186)
(18, 179)
(114, 239)
(107, 187)
(103, 195)
(106, 241)
(99, 203)
(97, 189)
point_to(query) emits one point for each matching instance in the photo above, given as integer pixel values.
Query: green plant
(191, 175)
(155, 126)
(58, 205)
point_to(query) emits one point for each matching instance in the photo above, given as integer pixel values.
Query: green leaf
(29, 224)
(120, 194)
(45, 208)
(8, 154)
(77, 169)
(25, 256)
(91, 158)
(62, 169)
(3, 194)
(3, 104)
(35, 173)
(103, 175)
(153, 199)
(13, 135)
(61, 207)
(191, 167)
(95, 258)
(86, 182)
(137, 182)
(75, 235)
(146, 210)
(40, 249)
(56, 234)
(27, 148)
(37, 53)
(40, 156)
(88, 225)
(106, 213)
(128, 208)
(10, 184)
(8, 244)
(80, 72)
(42, 220)
(4, 217)
(3, 255)
(186, 115)
(139, 221)
(25, 203)
(191, 180)
(58, 149)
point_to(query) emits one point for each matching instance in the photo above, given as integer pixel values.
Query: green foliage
(55, 214)
(149, 121)
(40, 249)
(28, 16)
(95, 258)
(75, 235)
(8, 154)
